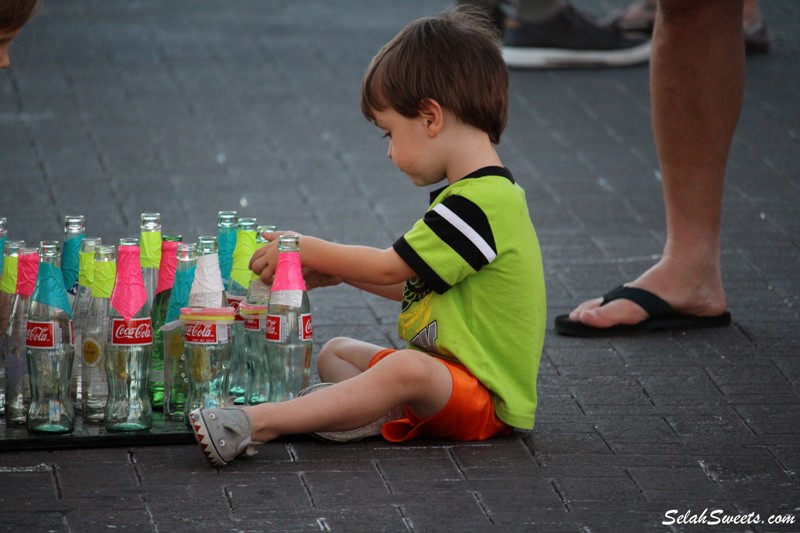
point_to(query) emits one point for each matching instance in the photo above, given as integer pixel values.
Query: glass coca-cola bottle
(236, 294)
(79, 308)
(8, 290)
(94, 391)
(208, 289)
(18, 387)
(226, 242)
(257, 290)
(288, 329)
(129, 346)
(49, 346)
(150, 252)
(176, 380)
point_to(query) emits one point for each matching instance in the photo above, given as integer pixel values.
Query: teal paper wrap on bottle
(180, 293)
(49, 288)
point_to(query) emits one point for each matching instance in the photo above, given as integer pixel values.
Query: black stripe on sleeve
(420, 267)
(475, 218)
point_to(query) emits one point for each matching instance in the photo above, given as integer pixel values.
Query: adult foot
(690, 295)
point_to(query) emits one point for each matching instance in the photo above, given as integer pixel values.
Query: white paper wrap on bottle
(259, 291)
(169, 326)
(288, 298)
(207, 288)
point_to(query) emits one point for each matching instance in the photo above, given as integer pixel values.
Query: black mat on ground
(87, 435)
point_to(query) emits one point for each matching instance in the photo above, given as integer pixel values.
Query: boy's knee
(334, 345)
(409, 366)
(330, 349)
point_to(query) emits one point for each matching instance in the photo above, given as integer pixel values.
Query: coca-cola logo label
(200, 333)
(306, 332)
(40, 335)
(133, 332)
(273, 328)
(252, 323)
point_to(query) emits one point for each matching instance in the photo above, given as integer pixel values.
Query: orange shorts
(468, 415)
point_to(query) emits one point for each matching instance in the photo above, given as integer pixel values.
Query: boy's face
(411, 147)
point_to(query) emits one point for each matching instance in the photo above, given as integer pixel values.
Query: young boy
(469, 273)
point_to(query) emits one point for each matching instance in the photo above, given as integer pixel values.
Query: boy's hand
(265, 259)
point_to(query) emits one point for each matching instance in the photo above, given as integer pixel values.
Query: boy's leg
(406, 377)
(343, 358)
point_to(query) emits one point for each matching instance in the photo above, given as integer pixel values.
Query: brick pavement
(115, 108)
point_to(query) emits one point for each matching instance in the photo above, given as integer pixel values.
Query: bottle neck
(129, 297)
(289, 273)
(49, 289)
(168, 266)
(27, 271)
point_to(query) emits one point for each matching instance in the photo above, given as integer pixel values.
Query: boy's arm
(315, 280)
(361, 266)
(391, 292)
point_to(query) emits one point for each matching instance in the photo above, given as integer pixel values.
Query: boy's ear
(432, 115)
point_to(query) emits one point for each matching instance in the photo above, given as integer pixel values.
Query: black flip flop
(662, 317)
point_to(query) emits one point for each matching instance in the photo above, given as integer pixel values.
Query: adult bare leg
(697, 85)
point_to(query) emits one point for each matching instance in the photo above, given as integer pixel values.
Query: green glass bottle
(163, 290)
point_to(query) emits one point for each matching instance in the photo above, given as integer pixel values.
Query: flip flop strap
(652, 304)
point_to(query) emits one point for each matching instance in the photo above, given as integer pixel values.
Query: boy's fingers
(256, 256)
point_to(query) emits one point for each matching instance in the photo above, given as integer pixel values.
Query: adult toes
(618, 312)
(585, 306)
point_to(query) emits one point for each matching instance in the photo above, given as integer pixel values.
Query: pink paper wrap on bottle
(289, 273)
(168, 265)
(129, 293)
(27, 270)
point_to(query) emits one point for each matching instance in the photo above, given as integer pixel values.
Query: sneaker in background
(570, 39)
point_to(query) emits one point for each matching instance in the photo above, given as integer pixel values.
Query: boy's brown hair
(15, 13)
(452, 58)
